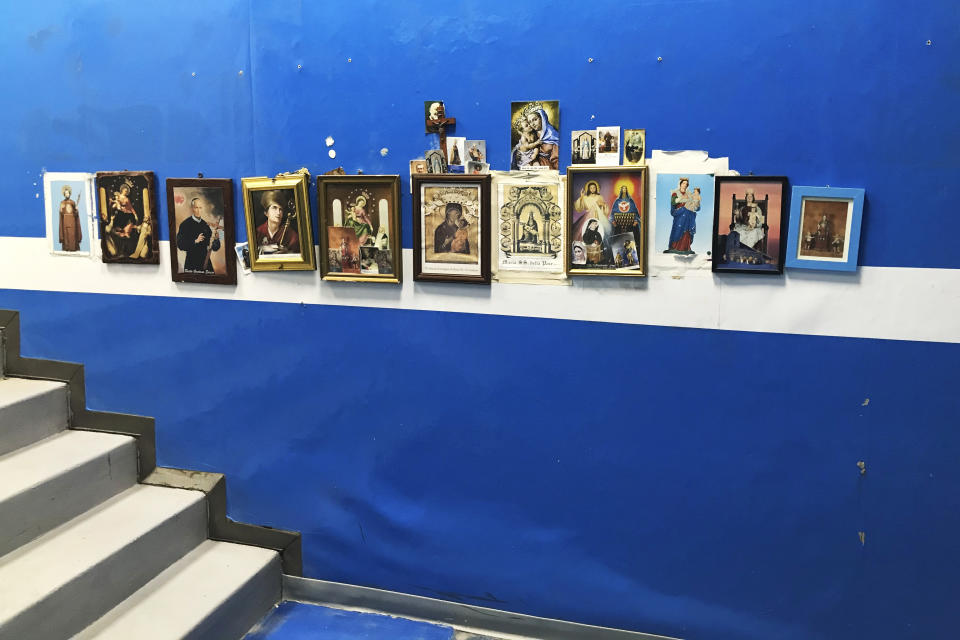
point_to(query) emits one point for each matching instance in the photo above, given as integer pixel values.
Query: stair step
(51, 481)
(61, 582)
(30, 410)
(217, 591)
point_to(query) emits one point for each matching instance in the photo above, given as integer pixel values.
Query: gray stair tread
(31, 466)
(30, 410)
(45, 484)
(32, 572)
(184, 597)
(18, 389)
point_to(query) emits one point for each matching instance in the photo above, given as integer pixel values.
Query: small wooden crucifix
(437, 122)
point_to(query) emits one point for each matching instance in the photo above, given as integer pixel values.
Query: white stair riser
(67, 610)
(244, 609)
(33, 418)
(32, 513)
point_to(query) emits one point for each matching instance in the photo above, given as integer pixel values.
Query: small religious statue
(436, 121)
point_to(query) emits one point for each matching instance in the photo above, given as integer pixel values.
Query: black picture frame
(451, 180)
(739, 258)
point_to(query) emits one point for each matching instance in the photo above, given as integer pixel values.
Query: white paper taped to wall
(698, 168)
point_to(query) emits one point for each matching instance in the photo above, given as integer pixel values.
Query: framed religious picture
(634, 147)
(749, 224)
(606, 221)
(535, 135)
(456, 151)
(128, 217)
(202, 234)
(451, 231)
(278, 222)
(825, 228)
(360, 228)
(69, 206)
(583, 146)
(477, 151)
(681, 242)
(529, 225)
(608, 146)
(418, 165)
(436, 161)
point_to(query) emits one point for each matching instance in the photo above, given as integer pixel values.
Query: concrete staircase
(96, 542)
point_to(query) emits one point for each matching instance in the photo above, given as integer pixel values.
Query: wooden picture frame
(128, 224)
(454, 202)
(284, 241)
(356, 243)
(749, 224)
(202, 230)
(606, 233)
(825, 228)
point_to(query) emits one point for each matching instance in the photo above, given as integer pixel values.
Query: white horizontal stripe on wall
(874, 302)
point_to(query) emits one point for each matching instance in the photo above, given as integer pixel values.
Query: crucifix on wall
(435, 117)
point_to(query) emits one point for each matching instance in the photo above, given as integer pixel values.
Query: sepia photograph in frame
(359, 219)
(279, 229)
(127, 218)
(634, 147)
(606, 221)
(451, 228)
(202, 234)
(825, 228)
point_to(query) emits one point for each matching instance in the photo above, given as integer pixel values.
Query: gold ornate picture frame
(607, 221)
(279, 228)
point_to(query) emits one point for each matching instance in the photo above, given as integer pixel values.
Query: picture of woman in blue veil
(683, 207)
(539, 143)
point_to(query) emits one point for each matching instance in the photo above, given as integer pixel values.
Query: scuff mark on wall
(39, 38)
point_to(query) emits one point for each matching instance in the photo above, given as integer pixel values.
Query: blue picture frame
(832, 241)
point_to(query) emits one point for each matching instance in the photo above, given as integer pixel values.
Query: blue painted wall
(674, 501)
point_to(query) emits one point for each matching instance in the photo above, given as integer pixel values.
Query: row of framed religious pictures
(459, 226)
(750, 224)
(360, 223)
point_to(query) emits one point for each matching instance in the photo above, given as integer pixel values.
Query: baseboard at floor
(462, 616)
